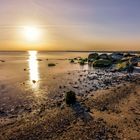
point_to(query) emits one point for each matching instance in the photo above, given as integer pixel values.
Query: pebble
(34, 81)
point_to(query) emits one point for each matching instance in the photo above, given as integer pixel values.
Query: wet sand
(107, 107)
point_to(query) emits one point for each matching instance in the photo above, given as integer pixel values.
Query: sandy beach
(32, 100)
(70, 70)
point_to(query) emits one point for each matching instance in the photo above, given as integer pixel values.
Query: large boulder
(129, 55)
(102, 63)
(116, 56)
(92, 57)
(103, 56)
(122, 66)
(135, 60)
(125, 66)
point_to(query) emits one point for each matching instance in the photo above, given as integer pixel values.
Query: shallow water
(27, 83)
(16, 62)
(19, 71)
(30, 91)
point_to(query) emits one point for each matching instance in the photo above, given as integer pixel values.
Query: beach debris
(51, 65)
(70, 97)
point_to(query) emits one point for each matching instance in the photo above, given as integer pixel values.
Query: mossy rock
(72, 61)
(51, 65)
(116, 56)
(83, 61)
(121, 66)
(93, 56)
(91, 60)
(104, 56)
(75, 58)
(70, 97)
(102, 63)
(125, 66)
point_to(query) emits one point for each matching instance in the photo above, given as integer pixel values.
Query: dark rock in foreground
(70, 97)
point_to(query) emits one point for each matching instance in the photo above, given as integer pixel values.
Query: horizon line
(130, 51)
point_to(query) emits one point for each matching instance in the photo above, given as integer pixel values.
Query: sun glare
(31, 33)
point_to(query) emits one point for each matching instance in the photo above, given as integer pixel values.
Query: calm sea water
(20, 69)
(23, 66)
(41, 55)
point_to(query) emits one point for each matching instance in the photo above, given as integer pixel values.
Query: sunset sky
(71, 24)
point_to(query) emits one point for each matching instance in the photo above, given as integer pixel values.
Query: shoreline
(54, 108)
(33, 100)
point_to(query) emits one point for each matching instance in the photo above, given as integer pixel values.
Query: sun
(31, 33)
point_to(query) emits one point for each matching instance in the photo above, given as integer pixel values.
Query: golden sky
(70, 25)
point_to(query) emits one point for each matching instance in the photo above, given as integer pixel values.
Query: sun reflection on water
(33, 68)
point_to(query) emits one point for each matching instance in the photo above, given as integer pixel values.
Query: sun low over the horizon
(31, 37)
(32, 34)
(69, 25)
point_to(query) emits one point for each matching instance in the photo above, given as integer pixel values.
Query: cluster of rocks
(80, 60)
(85, 82)
(118, 61)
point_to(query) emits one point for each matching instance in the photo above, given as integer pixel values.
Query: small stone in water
(34, 81)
